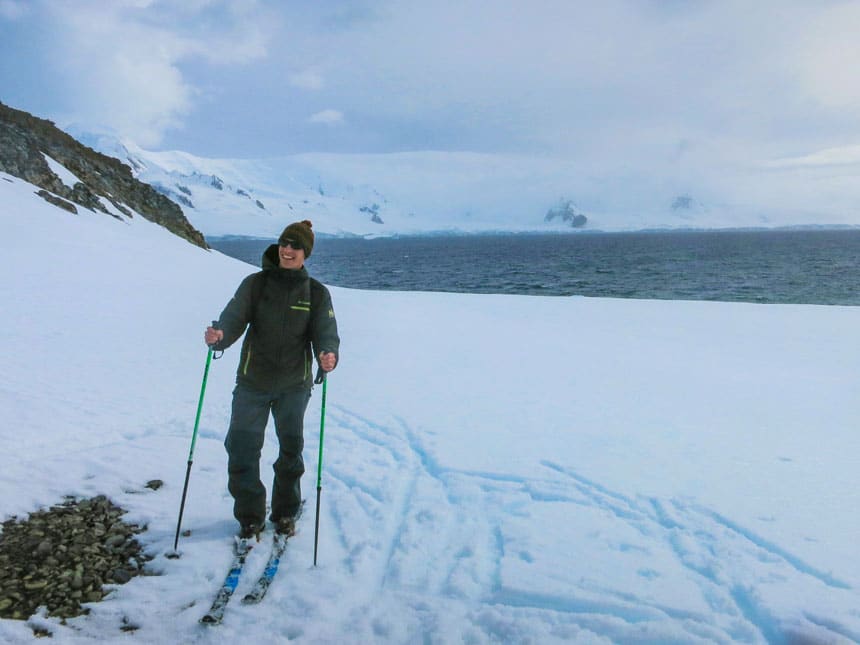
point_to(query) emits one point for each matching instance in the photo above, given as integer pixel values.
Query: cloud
(690, 93)
(308, 79)
(827, 57)
(327, 117)
(124, 63)
(346, 16)
(616, 85)
(842, 156)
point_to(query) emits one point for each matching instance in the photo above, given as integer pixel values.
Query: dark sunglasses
(291, 243)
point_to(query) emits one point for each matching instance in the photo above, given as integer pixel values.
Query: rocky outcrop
(66, 556)
(374, 213)
(682, 203)
(26, 139)
(567, 213)
(687, 207)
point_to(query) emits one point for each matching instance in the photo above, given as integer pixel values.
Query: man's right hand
(213, 336)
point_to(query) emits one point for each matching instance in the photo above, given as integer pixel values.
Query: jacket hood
(270, 259)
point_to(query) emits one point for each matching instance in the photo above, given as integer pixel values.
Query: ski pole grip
(216, 353)
(214, 322)
(320, 373)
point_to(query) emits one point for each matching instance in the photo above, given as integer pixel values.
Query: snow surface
(497, 469)
(66, 176)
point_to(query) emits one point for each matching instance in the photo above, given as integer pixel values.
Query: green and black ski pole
(175, 553)
(321, 378)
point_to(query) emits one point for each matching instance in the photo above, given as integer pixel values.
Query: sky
(621, 83)
(677, 472)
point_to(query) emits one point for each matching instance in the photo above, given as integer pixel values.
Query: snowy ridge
(672, 472)
(432, 192)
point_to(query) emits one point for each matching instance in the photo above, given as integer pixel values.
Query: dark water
(797, 266)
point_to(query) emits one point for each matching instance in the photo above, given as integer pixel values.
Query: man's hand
(213, 336)
(328, 360)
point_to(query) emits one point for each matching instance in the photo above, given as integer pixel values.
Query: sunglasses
(291, 243)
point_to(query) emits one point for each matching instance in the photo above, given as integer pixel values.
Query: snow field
(496, 468)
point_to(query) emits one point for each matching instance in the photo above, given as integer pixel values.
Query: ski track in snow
(427, 534)
(417, 515)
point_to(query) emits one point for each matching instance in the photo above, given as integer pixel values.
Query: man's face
(291, 255)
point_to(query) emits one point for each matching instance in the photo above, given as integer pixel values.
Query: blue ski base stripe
(260, 588)
(241, 548)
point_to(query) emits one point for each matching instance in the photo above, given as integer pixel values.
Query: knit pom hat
(301, 232)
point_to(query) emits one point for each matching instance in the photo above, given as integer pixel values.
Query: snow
(507, 469)
(66, 176)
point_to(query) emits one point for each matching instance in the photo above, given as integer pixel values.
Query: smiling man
(290, 320)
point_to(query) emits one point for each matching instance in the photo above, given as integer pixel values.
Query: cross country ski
(241, 548)
(261, 586)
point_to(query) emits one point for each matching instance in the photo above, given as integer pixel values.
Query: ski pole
(321, 378)
(191, 452)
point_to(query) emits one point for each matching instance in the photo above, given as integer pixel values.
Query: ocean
(773, 266)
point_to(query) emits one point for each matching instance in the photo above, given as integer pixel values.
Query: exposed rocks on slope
(26, 139)
(567, 213)
(62, 557)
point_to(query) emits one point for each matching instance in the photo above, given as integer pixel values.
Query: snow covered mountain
(413, 192)
(427, 192)
(347, 194)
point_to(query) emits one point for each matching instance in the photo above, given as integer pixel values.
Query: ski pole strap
(320, 376)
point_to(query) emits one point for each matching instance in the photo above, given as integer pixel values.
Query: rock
(121, 576)
(154, 484)
(62, 557)
(566, 211)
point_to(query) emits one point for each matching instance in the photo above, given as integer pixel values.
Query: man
(290, 320)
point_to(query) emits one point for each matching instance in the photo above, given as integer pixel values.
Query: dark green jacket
(290, 320)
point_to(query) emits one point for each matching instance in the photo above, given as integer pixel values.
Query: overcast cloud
(635, 82)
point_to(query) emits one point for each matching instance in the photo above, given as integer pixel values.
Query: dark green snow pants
(244, 444)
